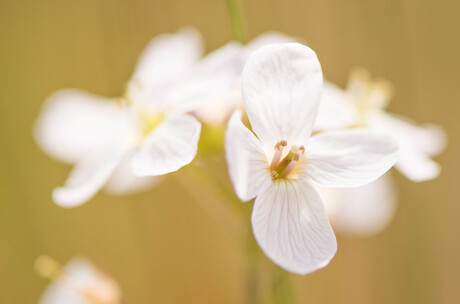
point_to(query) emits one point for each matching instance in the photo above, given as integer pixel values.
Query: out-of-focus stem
(236, 21)
(213, 203)
(253, 273)
(281, 286)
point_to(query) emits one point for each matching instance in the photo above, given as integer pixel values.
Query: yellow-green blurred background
(162, 246)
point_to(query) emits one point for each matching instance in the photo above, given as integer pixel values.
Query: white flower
(281, 87)
(79, 282)
(363, 104)
(124, 143)
(361, 211)
(217, 112)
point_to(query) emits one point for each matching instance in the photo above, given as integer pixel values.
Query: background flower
(147, 128)
(363, 104)
(78, 282)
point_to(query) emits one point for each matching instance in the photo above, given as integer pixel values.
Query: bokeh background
(162, 246)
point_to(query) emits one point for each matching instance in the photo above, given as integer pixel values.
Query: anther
(302, 149)
(380, 94)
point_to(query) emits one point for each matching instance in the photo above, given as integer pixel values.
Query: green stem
(236, 21)
(213, 203)
(281, 286)
(253, 272)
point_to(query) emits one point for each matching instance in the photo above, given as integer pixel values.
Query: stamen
(367, 93)
(288, 163)
(358, 82)
(360, 74)
(278, 152)
(381, 93)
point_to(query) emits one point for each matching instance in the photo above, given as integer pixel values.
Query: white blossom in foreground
(363, 105)
(361, 211)
(79, 282)
(124, 143)
(281, 86)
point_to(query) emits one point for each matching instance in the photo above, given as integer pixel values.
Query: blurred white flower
(361, 211)
(363, 104)
(124, 143)
(218, 111)
(79, 282)
(281, 86)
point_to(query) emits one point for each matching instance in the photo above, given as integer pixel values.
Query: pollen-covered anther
(284, 167)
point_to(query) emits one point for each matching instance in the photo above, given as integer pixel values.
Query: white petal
(433, 140)
(291, 227)
(247, 165)
(334, 111)
(216, 112)
(347, 158)
(89, 176)
(416, 144)
(73, 123)
(123, 181)
(170, 146)
(417, 167)
(166, 57)
(281, 89)
(360, 211)
(428, 139)
(211, 80)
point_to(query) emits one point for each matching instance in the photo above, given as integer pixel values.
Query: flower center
(368, 94)
(148, 120)
(281, 168)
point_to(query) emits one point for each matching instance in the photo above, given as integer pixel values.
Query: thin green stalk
(221, 189)
(281, 286)
(236, 21)
(215, 204)
(254, 273)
